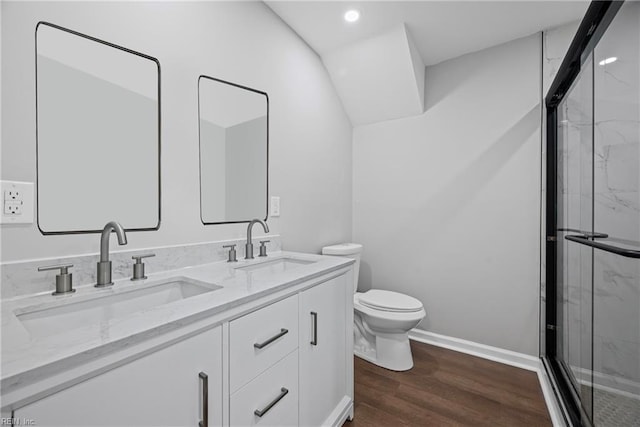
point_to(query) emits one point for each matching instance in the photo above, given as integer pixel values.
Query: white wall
(447, 203)
(242, 42)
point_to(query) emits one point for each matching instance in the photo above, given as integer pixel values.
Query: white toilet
(382, 319)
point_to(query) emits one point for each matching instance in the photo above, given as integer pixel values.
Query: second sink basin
(43, 322)
(275, 266)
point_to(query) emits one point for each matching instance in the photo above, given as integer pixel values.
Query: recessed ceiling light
(352, 15)
(608, 60)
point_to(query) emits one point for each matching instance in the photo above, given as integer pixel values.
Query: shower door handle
(584, 240)
(589, 234)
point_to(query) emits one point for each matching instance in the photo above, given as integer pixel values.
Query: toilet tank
(348, 250)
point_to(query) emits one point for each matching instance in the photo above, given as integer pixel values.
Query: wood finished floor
(447, 388)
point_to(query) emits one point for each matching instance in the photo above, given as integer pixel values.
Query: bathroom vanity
(265, 341)
(257, 342)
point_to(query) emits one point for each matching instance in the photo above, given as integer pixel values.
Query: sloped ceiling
(377, 63)
(441, 30)
(379, 78)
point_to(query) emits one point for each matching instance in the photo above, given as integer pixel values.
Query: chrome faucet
(248, 247)
(104, 266)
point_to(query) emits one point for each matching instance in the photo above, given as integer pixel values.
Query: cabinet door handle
(204, 378)
(314, 322)
(261, 412)
(282, 333)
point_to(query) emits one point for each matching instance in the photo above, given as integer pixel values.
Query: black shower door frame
(595, 22)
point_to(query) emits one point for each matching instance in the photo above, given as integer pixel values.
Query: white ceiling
(441, 30)
(379, 78)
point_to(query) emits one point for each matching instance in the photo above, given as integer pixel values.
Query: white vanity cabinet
(263, 365)
(324, 361)
(282, 359)
(163, 388)
(303, 376)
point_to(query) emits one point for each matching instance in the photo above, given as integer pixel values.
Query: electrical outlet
(12, 208)
(275, 206)
(18, 203)
(12, 195)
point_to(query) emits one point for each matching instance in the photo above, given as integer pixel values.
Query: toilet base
(390, 351)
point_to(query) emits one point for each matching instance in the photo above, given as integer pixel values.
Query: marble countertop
(25, 358)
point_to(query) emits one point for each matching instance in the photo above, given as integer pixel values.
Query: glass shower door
(592, 330)
(574, 280)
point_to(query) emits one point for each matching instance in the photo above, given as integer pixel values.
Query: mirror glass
(234, 145)
(98, 134)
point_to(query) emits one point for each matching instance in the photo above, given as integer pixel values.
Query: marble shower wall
(555, 43)
(22, 277)
(617, 200)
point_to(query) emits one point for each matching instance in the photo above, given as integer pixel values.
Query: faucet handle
(64, 280)
(138, 267)
(138, 258)
(232, 253)
(263, 247)
(64, 268)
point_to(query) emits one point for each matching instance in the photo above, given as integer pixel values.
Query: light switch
(18, 202)
(275, 206)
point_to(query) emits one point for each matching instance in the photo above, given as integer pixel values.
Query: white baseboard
(508, 357)
(500, 355)
(341, 413)
(553, 406)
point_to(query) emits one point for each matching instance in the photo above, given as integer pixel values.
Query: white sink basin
(43, 322)
(275, 266)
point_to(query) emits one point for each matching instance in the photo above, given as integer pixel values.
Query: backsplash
(23, 278)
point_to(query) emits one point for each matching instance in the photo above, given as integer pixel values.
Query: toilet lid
(389, 301)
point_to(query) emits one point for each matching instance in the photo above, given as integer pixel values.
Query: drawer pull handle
(205, 400)
(314, 320)
(282, 333)
(283, 393)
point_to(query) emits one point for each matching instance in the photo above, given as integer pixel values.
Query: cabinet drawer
(273, 394)
(260, 339)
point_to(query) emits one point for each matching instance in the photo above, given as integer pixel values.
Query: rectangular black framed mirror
(98, 134)
(234, 152)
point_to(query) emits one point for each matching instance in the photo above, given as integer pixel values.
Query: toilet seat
(389, 301)
(386, 315)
